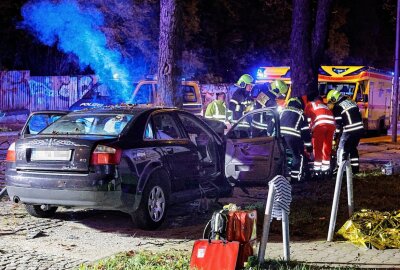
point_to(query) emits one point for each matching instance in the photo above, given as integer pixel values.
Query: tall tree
(308, 38)
(338, 43)
(169, 54)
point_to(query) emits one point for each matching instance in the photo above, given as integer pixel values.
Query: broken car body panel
(254, 150)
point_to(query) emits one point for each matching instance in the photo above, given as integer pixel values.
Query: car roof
(49, 111)
(123, 109)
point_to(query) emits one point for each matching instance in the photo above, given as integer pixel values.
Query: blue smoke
(77, 30)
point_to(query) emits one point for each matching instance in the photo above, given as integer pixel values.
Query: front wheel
(153, 206)
(37, 211)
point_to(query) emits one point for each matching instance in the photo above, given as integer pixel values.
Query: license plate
(63, 155)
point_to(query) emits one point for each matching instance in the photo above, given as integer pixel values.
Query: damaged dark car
(136, 160)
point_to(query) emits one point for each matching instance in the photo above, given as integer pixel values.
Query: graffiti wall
(20, 91)
(209, 91)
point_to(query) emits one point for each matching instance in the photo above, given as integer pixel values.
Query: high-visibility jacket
(319, 114)
(294, 123)
(347, 116)
(216, 110)
(240, 101)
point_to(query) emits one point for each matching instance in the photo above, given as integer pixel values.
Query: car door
(180, 153)
(254, 151)
(207, 144)
(38, 121)
(143, 94)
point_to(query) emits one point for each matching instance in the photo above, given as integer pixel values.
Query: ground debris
(31, 234)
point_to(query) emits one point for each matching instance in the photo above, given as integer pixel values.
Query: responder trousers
(296, 146)
(348, 149)
(322, 137)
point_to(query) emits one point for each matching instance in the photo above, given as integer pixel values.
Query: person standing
(350, 125)
(322, 125)
(217, 109)
(296, 134)
(241, 100)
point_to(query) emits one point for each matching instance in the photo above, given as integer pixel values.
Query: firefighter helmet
(333, 96)
(281, 86)
(244, 80)
(295, 102)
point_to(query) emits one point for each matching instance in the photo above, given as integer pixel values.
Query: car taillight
(105, 155)
(11, 153)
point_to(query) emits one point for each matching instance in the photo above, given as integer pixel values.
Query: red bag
(214, 254)
(242, 226)
(245, 251)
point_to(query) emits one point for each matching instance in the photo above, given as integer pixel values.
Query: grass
(179, 260)
(143, 260)
(312, 203)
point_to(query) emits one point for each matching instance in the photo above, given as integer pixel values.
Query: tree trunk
(169, 55)
(301, 65)
(319, 37)
(307, 44)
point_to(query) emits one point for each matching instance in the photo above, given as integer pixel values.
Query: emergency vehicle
(370, 88)
(144, 93)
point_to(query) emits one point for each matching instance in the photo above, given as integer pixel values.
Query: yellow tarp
(376, 229)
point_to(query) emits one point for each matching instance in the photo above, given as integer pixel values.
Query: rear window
(89, 124)
(40, 121)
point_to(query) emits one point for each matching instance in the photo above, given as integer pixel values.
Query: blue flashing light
(262, 73)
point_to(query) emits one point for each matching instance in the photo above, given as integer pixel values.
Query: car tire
(36, 211)
(153, 205)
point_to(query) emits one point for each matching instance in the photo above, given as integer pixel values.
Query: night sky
(222, 39)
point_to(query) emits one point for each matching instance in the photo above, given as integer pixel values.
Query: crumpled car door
(252, 148)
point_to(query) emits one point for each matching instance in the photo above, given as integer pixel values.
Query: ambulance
(370, 88)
